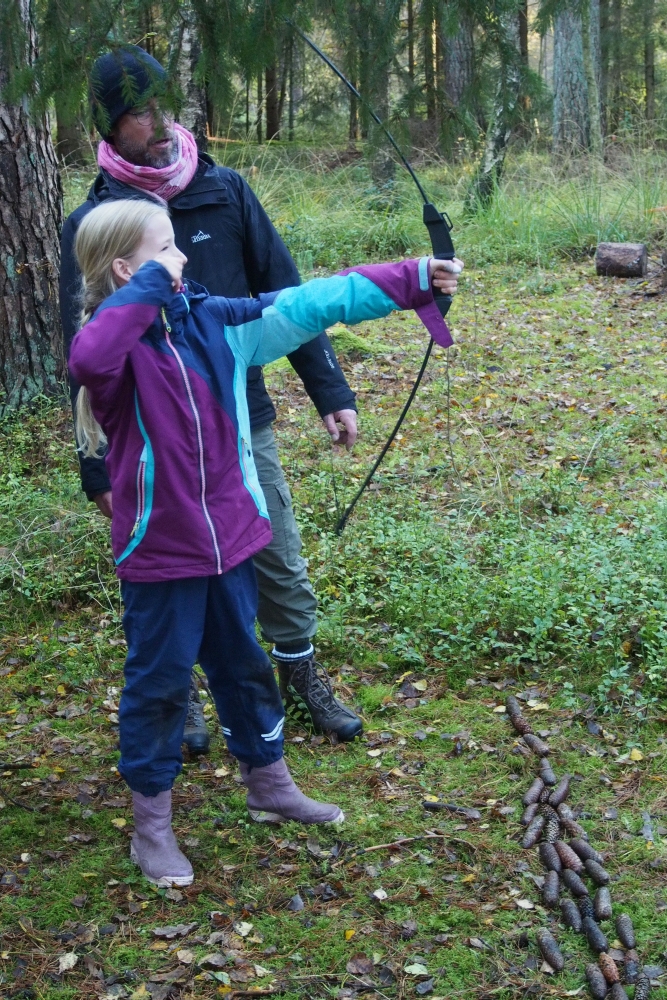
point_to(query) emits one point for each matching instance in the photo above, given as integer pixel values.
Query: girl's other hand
(444, 274)
(174, 261)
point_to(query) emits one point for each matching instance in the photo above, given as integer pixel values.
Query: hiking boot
(154, 846)
(195, 734)
(305, 683)
(274, 798)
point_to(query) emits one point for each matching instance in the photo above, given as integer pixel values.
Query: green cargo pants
(287, 604)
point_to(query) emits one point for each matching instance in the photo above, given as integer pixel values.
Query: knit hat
(121, 80)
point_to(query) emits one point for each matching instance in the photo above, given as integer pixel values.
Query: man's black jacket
(233, 250)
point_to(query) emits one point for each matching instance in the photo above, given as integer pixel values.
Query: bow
(439, 226)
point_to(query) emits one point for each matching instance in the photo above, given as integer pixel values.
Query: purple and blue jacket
(166, 374)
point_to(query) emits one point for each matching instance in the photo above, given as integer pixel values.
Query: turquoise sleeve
(299, 314)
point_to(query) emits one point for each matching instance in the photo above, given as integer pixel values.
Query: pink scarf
(163, 183)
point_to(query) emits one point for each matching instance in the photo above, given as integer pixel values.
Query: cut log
(622, 260)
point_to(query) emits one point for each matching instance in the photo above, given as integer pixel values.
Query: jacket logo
(198, 237)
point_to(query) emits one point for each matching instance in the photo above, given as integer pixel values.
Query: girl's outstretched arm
(371, 291)
(100, 348)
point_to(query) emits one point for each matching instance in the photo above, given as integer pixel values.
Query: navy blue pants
(169, 626)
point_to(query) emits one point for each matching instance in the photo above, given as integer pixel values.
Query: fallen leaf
(349, 935)
(185, 956)
(374, 753)
(636, 754)
(416, 969)
(216, 960)
(221, 772)
(379, 894)
(420, 685)
(360, 965)
(177, 930)
(261, 972)
(79, 901)
(425, 987)
(525, 904)
(469, 878)
(67, 961)
(243, 928)
(296, 903)
(119, 822)
(499, 709)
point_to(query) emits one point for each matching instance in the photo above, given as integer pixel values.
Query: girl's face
(158, 243)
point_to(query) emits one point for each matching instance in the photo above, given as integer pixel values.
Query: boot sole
(165, 881)
(261, 816)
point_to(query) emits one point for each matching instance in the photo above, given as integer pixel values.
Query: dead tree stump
(622, 260)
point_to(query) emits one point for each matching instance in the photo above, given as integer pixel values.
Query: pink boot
(274, 798)
(154, 846)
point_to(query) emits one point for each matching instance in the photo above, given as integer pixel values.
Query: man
(234, 250)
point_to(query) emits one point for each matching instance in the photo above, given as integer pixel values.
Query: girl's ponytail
(113, 229)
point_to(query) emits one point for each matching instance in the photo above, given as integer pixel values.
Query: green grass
(516, 542)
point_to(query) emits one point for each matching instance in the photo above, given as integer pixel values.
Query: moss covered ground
(514, 542)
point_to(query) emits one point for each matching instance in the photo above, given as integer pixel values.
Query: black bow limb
(439, 227)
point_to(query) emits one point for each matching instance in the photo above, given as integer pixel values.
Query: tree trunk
(290, 88)
(260, 106)
(459, 61)
(649, 61)
(590, 28)
(429, 60)
(187, 52)
(571, 107)
(411, 57)
(71, 143)
(272, 102)
(503, 119)
(523, 33)
(604, 65)
(616, 71)
(31, 349)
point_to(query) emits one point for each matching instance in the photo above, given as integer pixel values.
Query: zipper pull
(134, 529)
(164, 320)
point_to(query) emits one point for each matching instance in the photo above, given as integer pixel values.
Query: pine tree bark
(604, 65)
(31, 349)
(503, 119)
(429, 59)
(590, 36)
(193, 114)
(571, 128)
(260, 107)
(70, 139)
(459, 61)
(272, 102)
(649, 61)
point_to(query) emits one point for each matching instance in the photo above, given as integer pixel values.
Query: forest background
(514, 540)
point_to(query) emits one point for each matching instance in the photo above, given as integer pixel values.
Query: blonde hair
(113, 229)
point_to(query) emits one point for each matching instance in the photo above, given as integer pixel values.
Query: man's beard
(144, 156)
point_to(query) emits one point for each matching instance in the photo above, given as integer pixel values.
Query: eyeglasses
(146, 116)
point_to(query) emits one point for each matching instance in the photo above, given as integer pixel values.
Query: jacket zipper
(141, 492)
(200, 441)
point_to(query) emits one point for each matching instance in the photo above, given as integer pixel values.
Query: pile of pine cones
(547, 818)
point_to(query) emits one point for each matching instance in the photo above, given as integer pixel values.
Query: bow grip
(439, 227)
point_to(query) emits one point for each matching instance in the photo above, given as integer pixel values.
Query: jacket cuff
(408, 284)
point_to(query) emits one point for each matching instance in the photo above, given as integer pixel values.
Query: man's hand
(345, 435)
(104, 503)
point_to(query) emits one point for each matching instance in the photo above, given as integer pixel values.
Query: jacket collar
(206, 188)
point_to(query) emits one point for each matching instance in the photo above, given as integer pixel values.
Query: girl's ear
(122, 271)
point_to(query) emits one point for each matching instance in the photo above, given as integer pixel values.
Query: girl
(163, 368)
